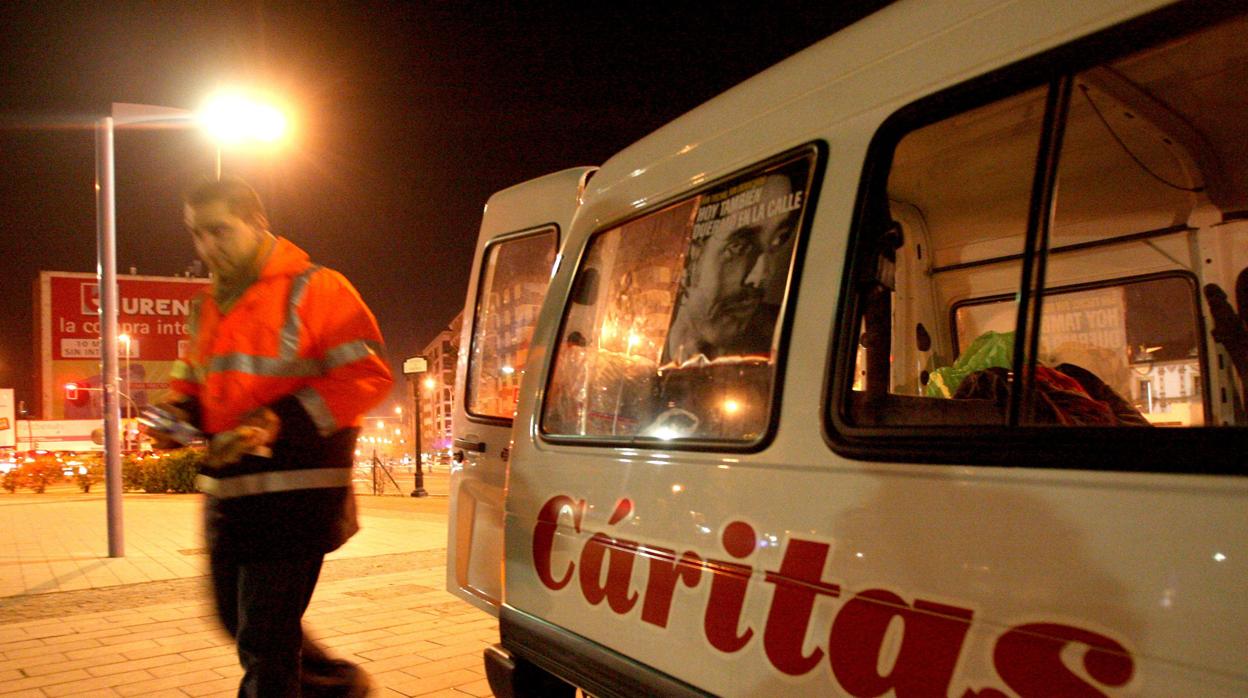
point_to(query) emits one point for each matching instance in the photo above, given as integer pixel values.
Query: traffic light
(75, 395)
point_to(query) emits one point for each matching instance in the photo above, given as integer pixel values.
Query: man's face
(733, 269)
(226, 243)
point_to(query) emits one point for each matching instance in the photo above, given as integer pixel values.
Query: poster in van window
(674, 314)
(739, 253)
(1088, 328)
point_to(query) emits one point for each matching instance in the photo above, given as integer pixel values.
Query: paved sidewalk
(74, 622)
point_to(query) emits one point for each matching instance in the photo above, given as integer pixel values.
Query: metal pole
(373, 468)
(419, 484)
(106, 252)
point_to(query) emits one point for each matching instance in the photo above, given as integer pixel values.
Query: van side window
(1041, 258)
(672, 330)
(513, 283)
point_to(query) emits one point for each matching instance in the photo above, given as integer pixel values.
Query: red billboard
(152, 317)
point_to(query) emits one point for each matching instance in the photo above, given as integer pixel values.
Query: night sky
(408, 116)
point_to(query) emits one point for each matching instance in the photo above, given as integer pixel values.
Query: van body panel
(541, 207)
(891, 527)
(794, 569)
(881, 532)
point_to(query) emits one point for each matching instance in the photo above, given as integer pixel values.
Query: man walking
(283, 363)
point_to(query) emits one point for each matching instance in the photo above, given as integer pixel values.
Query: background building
(437, 388)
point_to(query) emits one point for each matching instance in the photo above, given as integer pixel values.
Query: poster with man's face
(737, 266)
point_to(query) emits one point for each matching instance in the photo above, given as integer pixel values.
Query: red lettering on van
(921, 659)
(931, 641)
(798, 584)
(729, 583)
(622, 553)
(665, 571)
(544, 538)
(1028, 658)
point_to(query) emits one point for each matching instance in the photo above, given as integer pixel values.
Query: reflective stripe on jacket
(273, 481)
(299, 330)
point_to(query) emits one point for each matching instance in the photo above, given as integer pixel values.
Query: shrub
(162, 471)
(132, 468)
(41, 472)
(34, 471)
(181, 466)
(88, 470)
(153, 471)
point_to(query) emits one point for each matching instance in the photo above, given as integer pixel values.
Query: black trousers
(261, 605)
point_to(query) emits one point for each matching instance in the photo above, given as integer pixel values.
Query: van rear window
(1139, 337)
(672, 330)
(513, 284)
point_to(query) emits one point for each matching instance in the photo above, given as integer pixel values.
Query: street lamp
(231, 118)
(106, 237)
(412, 368)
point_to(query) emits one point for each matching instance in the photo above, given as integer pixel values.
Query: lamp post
(267, 128)
(412, 368)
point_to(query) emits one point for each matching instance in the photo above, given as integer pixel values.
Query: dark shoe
(335, 678)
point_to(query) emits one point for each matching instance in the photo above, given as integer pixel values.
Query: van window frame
(818, 150)
(1188, 450)
(531, 231)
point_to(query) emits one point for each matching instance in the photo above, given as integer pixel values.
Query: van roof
(882, 61)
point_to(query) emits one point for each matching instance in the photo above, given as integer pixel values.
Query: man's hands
(161, 439)
(255, 433)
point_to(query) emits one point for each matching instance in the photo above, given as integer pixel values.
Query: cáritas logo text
(1028, 658)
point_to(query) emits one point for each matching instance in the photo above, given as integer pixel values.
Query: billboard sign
(153, 313)
(59, 435)
(8, 420)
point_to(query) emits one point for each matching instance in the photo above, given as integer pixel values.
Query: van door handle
(476, 446)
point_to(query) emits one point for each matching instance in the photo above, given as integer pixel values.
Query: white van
(913, 366)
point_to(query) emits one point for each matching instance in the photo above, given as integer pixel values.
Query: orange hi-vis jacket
(301, 330)
(299, 341)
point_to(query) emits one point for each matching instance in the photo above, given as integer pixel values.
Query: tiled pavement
(74, 622)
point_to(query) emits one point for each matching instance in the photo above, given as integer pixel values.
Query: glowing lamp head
(232, 118)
